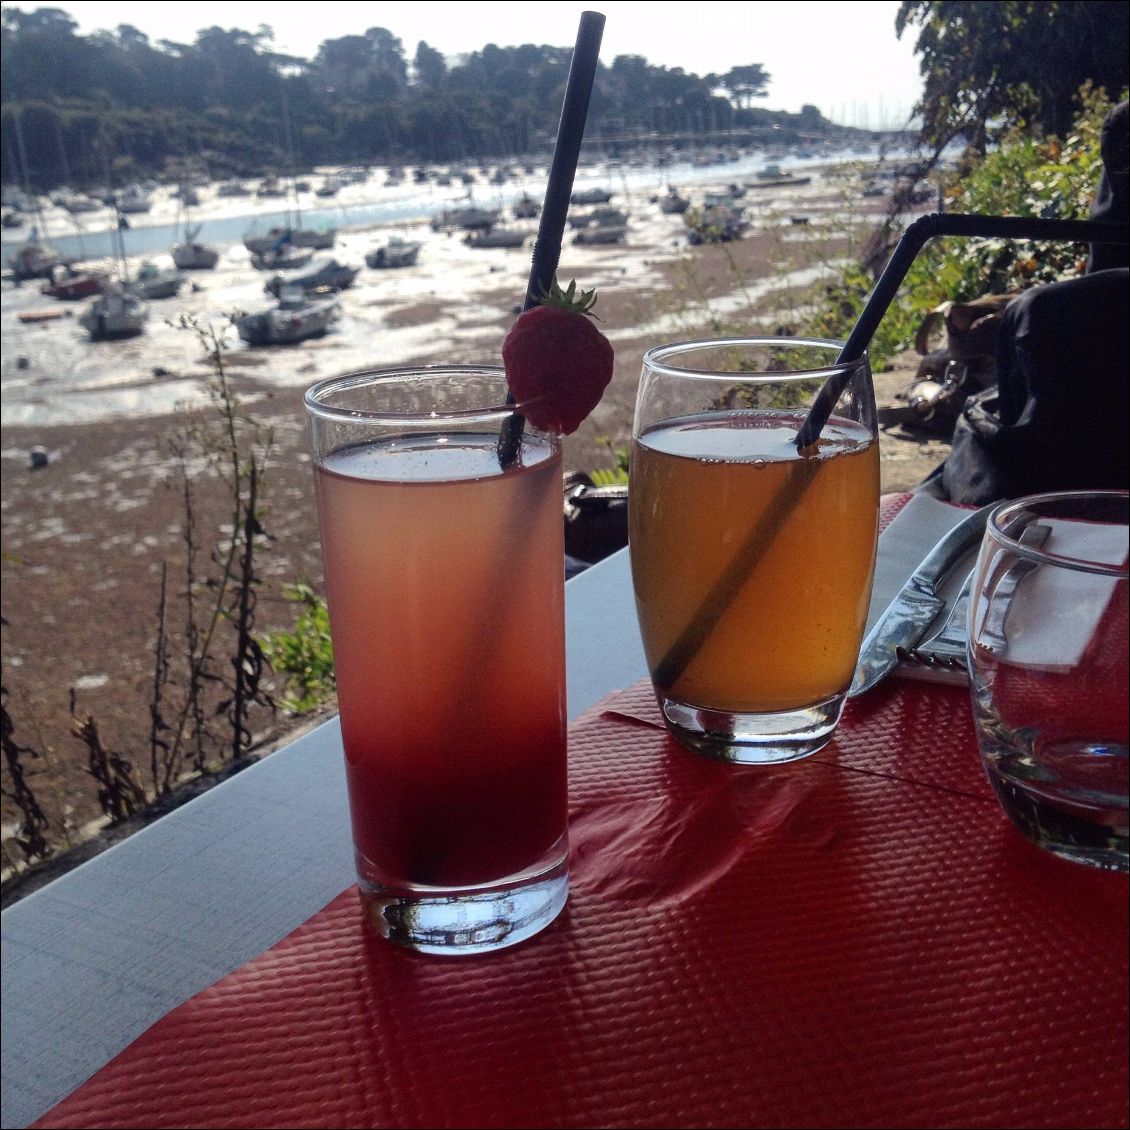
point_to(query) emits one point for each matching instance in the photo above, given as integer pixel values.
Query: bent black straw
(913, 240)
(558, 190)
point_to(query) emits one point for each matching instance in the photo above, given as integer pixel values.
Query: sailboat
(190, 254)
(153, 282)
(293, 233)
(193, 256)
(117, 312)
(34, 260)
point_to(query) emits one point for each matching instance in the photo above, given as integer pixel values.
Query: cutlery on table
(909, 616)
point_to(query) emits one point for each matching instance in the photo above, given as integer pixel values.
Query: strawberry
(558, 363)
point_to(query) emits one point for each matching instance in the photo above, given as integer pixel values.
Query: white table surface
(100, 954)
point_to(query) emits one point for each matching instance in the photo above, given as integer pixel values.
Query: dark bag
(596, 518)
(971, 473)
(1057, 419)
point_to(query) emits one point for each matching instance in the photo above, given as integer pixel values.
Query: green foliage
(1024, 176)
(305, 655)
(617, 474)
(85, 103)
(991, 67)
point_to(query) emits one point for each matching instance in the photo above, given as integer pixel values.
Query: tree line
(112, 105)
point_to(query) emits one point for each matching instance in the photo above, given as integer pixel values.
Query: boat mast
(21, 148)
(121, 223)
(288, 140)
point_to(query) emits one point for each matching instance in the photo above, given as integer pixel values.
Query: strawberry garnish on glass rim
(558, 363)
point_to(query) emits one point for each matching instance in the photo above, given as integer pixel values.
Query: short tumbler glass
(1048, 670)
(752, 561)
(445, 580)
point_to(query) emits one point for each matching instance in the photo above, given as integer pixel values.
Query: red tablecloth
(859, 939)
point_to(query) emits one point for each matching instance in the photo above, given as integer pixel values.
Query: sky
(842, 57)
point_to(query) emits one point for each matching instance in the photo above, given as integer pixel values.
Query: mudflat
(87, 535)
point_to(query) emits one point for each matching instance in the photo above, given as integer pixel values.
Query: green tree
(430, 66)
(112, 105)
(746, 83)
(990, 66)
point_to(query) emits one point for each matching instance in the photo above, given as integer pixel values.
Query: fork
(945, 651)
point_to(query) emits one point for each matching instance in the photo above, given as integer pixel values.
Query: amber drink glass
(751, 561)
(445, 581)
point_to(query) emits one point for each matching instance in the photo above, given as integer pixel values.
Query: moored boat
(154, 283)
(772, 177)
(115, 313)
(601, 234)
(296, 318)
(285, 258)
(134, 199)
(470, 219)
(317, 239)
(192, 256)
(599, 217)
(526, 207)
(396, 253)
(188, 195)
(271, 187)
(591, 196)
(673, 203)
(70, 285)
(77, 203)
(35, 260)
(316, 275)
(496, 237)
(270, 241)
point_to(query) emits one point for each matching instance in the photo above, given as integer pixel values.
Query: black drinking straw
(745, 560)
(558, 190)
(913, 240)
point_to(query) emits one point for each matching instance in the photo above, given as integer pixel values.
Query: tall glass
(444, 576)
(1048, 668)
(752, 562)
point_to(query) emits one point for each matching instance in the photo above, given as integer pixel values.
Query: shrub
(1048, 178)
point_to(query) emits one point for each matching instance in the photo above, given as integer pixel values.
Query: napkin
(1054, 611)
(918, 526)
(903, 545)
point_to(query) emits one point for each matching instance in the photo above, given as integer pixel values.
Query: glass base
(467, 920)
(753, 739)
(1092, 834)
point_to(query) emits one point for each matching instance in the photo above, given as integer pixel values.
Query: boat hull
(114, 316)
(287, 326)
(195, 257)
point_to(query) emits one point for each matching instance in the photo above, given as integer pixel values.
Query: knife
(912, 612)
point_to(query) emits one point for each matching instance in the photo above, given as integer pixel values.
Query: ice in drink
(444, 581)
(700, 486)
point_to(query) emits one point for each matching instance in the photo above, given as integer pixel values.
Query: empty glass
(1048, 670)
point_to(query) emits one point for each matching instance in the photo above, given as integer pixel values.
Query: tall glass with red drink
(444, 576)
